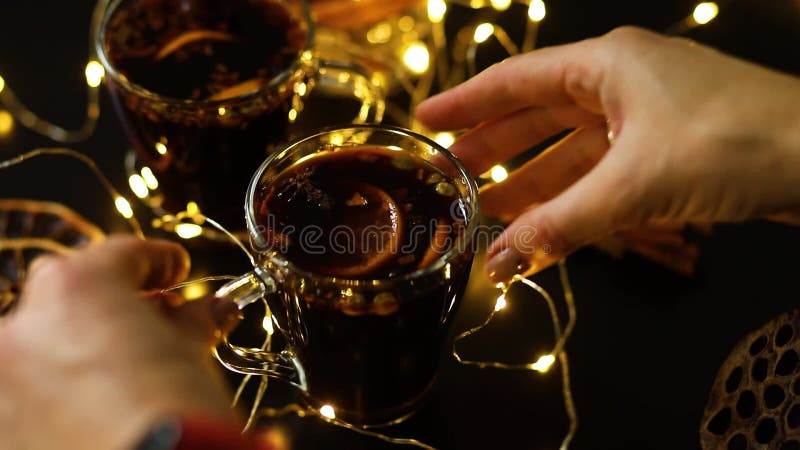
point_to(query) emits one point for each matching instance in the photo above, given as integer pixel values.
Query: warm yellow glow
(436, 10)
(161, 148)
(705, 12)
(475, 4)
(6, 123)
(123, 207)
(2, 84)
(327, 411)
(267, 324)
(94, 73)
(544, 363)
(149, 179)
(501, 5)
(337, 139)
(406, 24)
(188, 230)
(138, 186)
(195, 291)
(292, 115)
(498, 174)
(417, 58)
(379, 34)
(445, 139)
(483, 32)
(301, 89)
(192, 209)
(537, 11)
(501, 302)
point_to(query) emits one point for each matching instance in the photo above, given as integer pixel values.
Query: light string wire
(94, 73)
(463, 65)
(544, 363)
(122, 204)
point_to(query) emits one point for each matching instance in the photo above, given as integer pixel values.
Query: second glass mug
(203, 150)
(369, 348)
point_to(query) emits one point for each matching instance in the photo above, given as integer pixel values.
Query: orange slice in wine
(190, 37)
(29, 229)
(370, 232)
(439, 243)
(237, 90)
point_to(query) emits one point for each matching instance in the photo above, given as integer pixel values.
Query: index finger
(118, 264)
(554, 76)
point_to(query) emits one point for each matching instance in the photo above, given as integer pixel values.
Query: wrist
(194, 432)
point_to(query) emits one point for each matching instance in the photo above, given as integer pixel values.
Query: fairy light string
(545, 362)
(433, 64)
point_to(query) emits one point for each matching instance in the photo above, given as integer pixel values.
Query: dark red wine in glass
(367, 213)
(205, 89)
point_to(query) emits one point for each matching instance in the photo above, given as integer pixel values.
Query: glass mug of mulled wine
(206, 89)
(362, 239)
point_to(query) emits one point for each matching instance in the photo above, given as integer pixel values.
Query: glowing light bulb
(379, 34)
(498, 174)
(222, 111)
(327, 411)
(501, 303)
(301, 89)
(2, 84)
(483, 32)
(195, 291)
(192, 209)
(138, 186)
(406, 24)
(94, 73)
(188, 230)
(149, 178)
(544, 363)
(161, 148)
(292, 115)
(417, 58)
(705, 12)
(124, 207)
(436, 10)
(6, 123)
(445, 139)
(537, 11)
(501, 5)
(267, 324)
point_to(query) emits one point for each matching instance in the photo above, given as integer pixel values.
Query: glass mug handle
(338, 76)
(243, 291)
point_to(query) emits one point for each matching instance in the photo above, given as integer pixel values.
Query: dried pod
(29, 229)
(755, 399)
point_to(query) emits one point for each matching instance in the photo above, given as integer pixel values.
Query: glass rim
(441, 261)
(99, 35)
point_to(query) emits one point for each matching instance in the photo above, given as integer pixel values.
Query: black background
(648, 342)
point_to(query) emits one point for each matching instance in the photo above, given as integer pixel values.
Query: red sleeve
(205, 433)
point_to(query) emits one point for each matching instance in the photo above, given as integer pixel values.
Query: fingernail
(226, 314)
(504, 265)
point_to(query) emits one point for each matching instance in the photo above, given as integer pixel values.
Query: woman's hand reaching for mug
(665, 131)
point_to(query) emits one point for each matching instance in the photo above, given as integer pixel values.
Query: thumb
(209, 317)
(595, 205)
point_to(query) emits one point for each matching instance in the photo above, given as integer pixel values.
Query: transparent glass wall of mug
(368, 347)
(207, 88)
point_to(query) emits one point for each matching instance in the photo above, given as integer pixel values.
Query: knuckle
(56, 273)
(628, 34)
(550, 235)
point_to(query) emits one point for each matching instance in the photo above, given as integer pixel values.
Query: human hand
(89, 361)
(697, 136)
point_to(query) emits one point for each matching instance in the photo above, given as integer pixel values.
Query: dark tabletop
(648, 342)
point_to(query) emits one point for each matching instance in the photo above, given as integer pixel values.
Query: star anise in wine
(301, 187)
